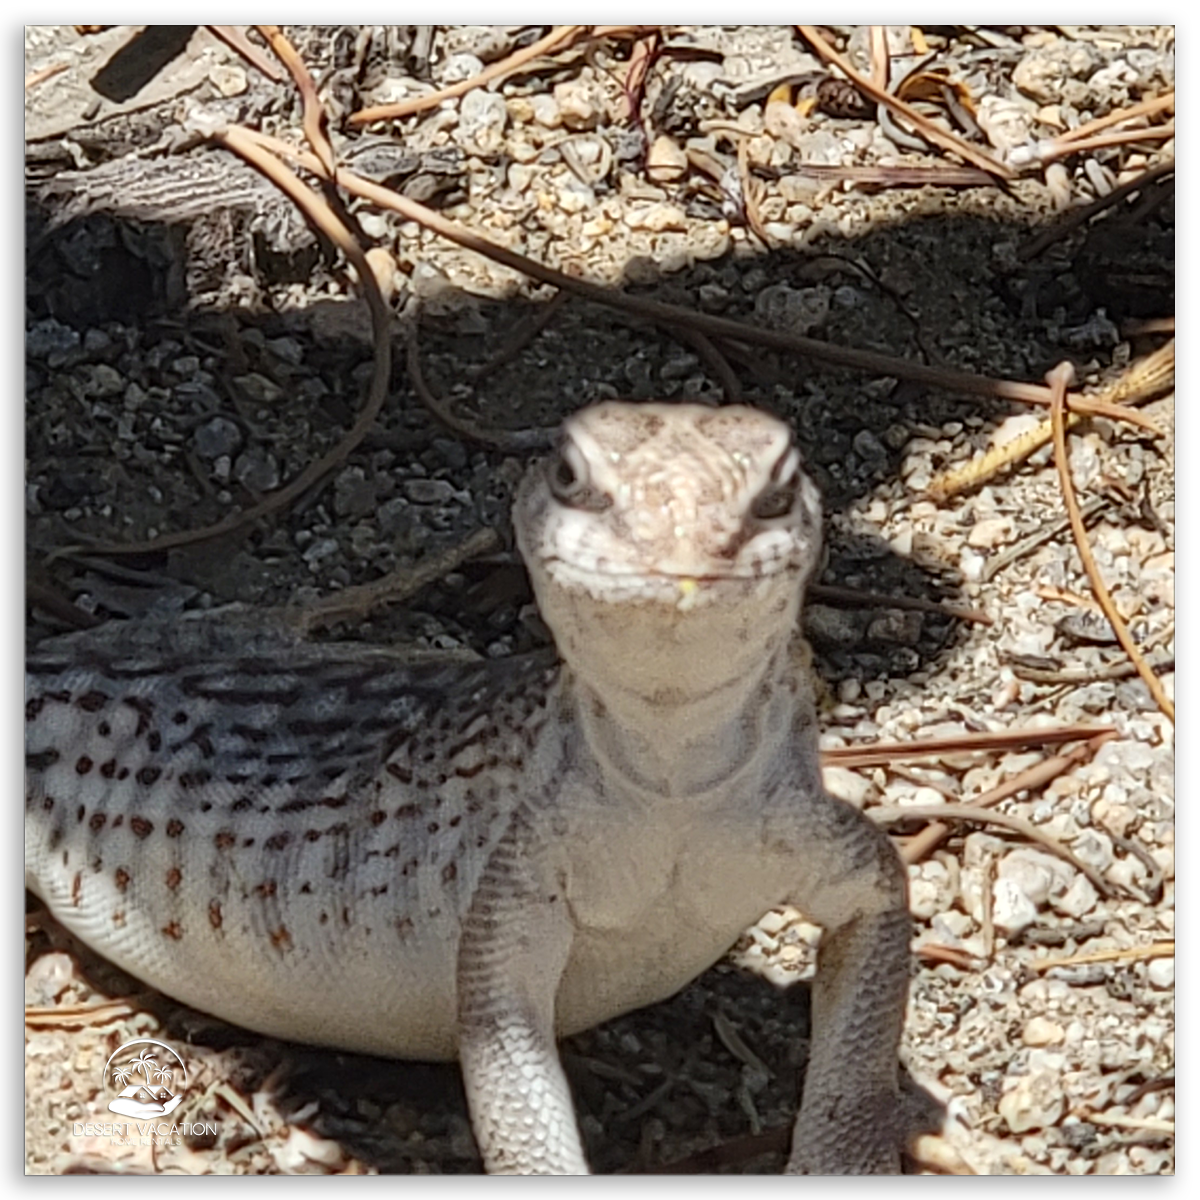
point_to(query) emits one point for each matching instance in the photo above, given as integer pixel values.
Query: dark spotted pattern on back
(281, 769)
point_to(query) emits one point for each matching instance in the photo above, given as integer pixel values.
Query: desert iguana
(330, 844)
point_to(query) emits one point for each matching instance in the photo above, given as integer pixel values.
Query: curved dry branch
(321, 215)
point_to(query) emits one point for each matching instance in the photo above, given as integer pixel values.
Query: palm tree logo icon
(146, 1085)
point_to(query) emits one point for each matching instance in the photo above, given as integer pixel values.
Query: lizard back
(319, 811)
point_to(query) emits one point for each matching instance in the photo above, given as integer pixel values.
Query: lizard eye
(779, 496)
(570, 480)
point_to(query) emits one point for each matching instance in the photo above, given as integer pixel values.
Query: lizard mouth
(629, 583)
(766, 568)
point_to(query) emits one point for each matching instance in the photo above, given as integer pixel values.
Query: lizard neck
(684, 716)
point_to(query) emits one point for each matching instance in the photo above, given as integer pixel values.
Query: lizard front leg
(514, 947)
(852, 1118)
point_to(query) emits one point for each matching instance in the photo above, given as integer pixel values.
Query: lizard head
(666, 530)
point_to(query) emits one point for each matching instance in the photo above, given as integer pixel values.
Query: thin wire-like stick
(314, 112)
(1080, 216)
(714, 326)
(1117, 137)
(885, 753)
(891, 815)
(404, 108)
(1058, 379)
(235, 138)
(1153, 950)
(1037, 776)
(928, 128)
(1144, 108)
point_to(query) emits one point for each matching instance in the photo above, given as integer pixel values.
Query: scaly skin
(334, 844)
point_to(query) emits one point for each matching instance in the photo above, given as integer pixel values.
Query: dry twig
(1128, 954)
(1147, 378)
(880, 59)
(1031, 779)
(749, 188)
(514, 441)
(74, 1015)
(928, 129)
(936, 954)
(825, 593)
(1080, 216)
(394, 588)
(314, 112)
(997, 562)
(36, 77)
(1058, 379)
(1144, 108)
(884, 753)
(1116, 1121)
(708, 323)
(528, 332)
(234, 36)
(1068, 678)
(556, 39)
(893, 814)
(237, 139)
(1051, 151)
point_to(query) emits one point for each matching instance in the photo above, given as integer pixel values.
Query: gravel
(180, 368)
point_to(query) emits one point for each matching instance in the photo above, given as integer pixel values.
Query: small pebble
(1161, 973)
(1034, 1101)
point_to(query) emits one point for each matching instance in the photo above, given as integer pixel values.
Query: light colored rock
(304, 1153)
(1036, 874)
(228, 79)
(486, 42)
(483, 116)
(580, 103)
(1006, 123)
(573, 196)
(588, 155)
(1041, 1031)
(656, 217)
(971, 565)
(1058, 183)
(458, 67)
(1046, 74)
(47, 979)
(924, 898)
(1012, 909)
(904, 794)
(519, 176)
(1094, 848)
(1148, 1161)
(1161, 973)
(1078, 900)
(773, 923)
(847, 785)
(546, 111)
(951, 925)
(1033, 1101)
(665, 160)
(985, 535)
